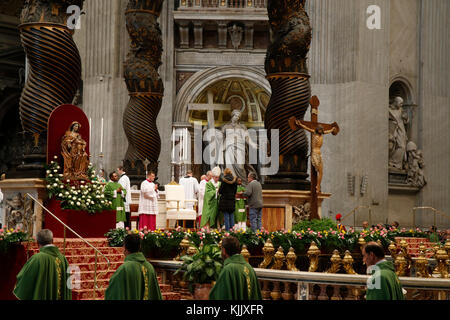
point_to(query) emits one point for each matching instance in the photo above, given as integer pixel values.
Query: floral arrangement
(165, 243)
(8, 237)
(76, 195)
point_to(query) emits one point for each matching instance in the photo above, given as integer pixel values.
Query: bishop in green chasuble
(44, 276)
(210, 204)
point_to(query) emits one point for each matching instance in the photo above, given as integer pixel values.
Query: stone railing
(222, 4)
(336, 279)
(300, 285)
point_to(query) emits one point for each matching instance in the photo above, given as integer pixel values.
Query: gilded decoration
(73, 150)
(268, 251)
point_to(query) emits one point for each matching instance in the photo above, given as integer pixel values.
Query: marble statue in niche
(415, 166)
(398, 120)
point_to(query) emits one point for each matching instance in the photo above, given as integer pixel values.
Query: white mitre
(216, 172)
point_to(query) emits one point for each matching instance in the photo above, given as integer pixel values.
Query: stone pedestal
(279, 207)
(19, 210)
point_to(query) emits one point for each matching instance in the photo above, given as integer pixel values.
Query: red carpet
(78, 253)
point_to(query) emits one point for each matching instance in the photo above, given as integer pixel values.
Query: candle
(101, 138)
(187, 143)
(173, 144)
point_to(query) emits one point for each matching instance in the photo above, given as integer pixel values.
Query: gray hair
(44, 237)
(253, 175)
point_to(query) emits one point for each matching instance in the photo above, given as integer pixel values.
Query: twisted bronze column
(291, 91)
(145, 87)
(54, 72)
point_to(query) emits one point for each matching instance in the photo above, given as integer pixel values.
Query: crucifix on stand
(210, 107)
(317, 131)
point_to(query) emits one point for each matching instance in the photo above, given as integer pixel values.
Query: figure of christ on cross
(210, 107)
(317, 131)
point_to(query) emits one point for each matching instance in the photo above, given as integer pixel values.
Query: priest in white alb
(148, 203)
(126, 184)
(190, 185)
(201, 194)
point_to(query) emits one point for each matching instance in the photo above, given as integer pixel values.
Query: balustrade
(238, 4)
(280, 278)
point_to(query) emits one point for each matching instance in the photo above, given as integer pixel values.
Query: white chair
(176, 205)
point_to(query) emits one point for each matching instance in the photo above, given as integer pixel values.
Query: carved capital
(49, 11)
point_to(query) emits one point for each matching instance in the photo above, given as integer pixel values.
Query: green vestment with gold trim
(134, 280)
(44, 277)
(237, 281)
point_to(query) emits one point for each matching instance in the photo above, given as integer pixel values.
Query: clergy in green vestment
(383, 283)
(240, 213)
(136, 278)
(210, 212)
(237, 280)
(116, 194)
(44, 276)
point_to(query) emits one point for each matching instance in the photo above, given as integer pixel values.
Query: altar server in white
(190, 185)
(148, 203)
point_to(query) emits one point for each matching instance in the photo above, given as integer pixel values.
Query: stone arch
(401, 86)
(200, 80)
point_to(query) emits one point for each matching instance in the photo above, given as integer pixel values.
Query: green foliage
(11, 236)
(202, 267)
(160, 244)
(115, 237)
(250, 238)
(76, 195)
(315, 225)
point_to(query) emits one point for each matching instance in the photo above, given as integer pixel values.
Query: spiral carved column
(54, 73)
(291, 91)
(145, 88)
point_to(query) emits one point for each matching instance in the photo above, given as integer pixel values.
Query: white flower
(71, 202)
(61, 177)
(67, 181)
(49, 186)
(55, 185)
(82, 182)
(50, 175)
(57, 180)
(55, 171)
(58, 167)
(60, 195)
(70, 197)
(73, 188)
(103, 201)
(48, 171)
(78, 203)
(52, 162)
(102, 196)
(55, 157)
(67, 193)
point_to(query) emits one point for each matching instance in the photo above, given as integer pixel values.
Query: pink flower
(333, 232)
(127, 229)
(227, 234)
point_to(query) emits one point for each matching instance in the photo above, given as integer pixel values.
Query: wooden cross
(317, 131)
(210, 107)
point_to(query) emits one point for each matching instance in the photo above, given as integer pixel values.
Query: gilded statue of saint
(73, 150)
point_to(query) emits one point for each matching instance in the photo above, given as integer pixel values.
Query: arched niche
(194, 89)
